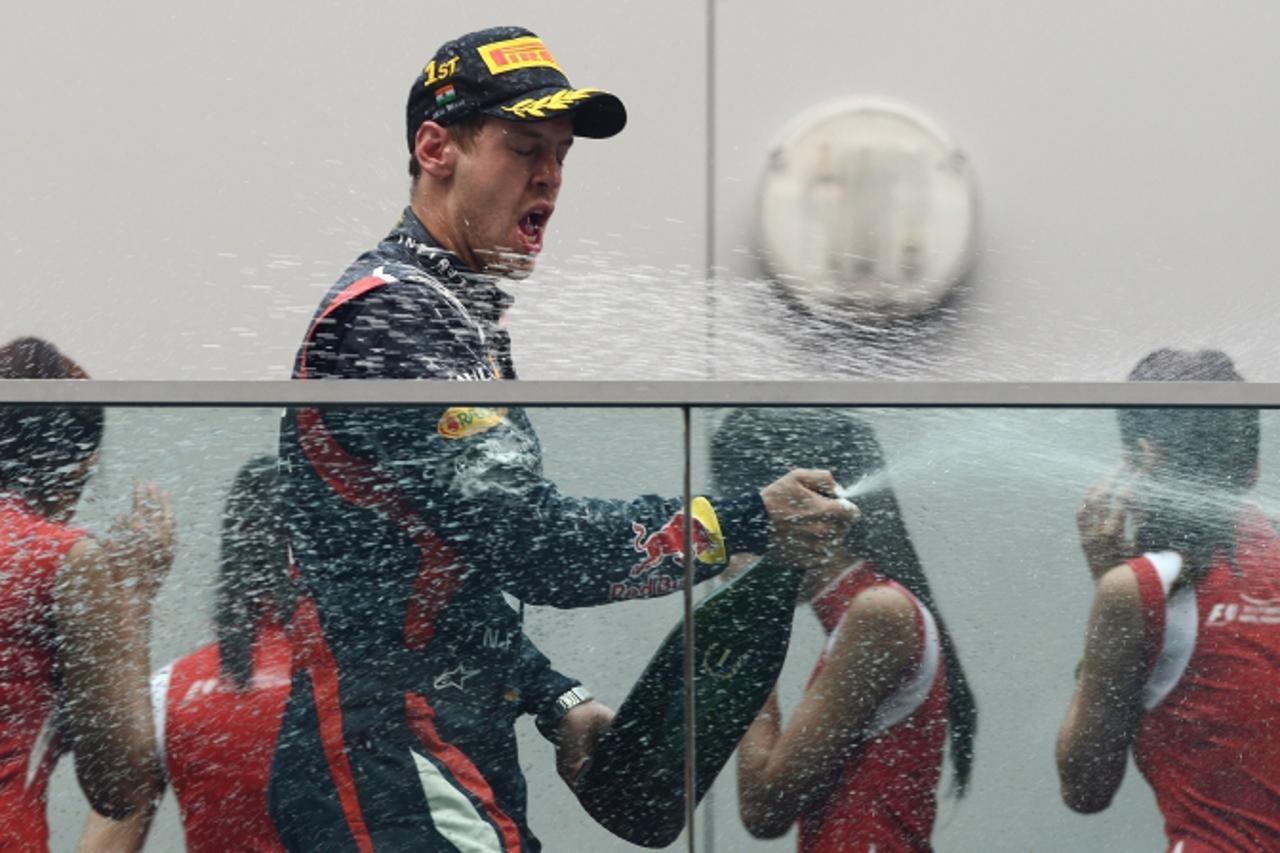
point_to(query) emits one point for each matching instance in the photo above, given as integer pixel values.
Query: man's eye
(524, 152)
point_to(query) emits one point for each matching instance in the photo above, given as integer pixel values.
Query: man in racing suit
(408, 524)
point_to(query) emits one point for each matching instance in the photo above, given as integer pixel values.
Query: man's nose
(549, 172)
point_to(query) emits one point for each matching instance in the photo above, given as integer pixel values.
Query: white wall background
(1122, 152)
(181, 183)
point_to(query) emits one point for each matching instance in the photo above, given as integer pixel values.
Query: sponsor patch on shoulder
(462, 422)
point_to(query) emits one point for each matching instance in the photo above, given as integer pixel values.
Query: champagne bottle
(633, 785)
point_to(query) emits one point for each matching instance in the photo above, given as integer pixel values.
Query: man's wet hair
(463, 131)
(253, 579)
(753, 447)
(42, 448)
(1208, 458)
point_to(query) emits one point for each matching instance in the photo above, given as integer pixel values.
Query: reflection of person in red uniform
(75, 612)
(859, 762)
(1182, 652)
(217, 710)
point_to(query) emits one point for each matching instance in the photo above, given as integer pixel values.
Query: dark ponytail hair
(42, 448)
(253, 580)
(753, 447)
(1208, 461)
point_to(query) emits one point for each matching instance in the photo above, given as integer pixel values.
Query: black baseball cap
(507, 73)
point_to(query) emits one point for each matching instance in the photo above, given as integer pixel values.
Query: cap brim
(596, 114)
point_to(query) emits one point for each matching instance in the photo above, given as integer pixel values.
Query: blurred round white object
(867, 206)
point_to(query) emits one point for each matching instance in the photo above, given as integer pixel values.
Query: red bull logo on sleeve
(668, 540)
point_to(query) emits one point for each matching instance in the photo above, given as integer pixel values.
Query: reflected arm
(104, 835)
(487, 496)
(578, 730)
(786, 771)
(104, 627)
(538, 681)
(1106, 707)
(475, 474)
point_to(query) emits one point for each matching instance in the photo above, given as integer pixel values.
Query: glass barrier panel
(966, 559)
(408, 650)
(970, 516)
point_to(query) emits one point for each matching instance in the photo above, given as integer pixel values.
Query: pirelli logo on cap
(514, 54)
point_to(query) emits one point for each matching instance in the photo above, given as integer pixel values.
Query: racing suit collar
(480, 293)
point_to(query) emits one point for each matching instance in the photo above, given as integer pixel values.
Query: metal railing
(683, 394)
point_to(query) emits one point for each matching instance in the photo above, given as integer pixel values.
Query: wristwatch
(548, 721)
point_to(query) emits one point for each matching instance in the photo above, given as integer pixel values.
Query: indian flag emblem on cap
(446, 95)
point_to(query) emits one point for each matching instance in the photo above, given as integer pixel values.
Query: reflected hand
(140, 545)
(579, 731)
(1102, 520)
(810, 525)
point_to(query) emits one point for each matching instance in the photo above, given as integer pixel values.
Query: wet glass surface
(988, 499)
(194, 455)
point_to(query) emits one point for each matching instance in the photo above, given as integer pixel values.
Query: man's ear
(435, 150)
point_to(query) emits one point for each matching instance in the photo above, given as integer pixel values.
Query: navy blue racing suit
(408, 525)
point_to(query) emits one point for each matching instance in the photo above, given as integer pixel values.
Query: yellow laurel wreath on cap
(556, 101)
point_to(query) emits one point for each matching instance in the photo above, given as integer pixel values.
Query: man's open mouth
(533, 224)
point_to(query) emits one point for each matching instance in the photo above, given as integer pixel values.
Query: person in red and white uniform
(1182, 654)
(858, 764)
(74, 612)
(217, 710)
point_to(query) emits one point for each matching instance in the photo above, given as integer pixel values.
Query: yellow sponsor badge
(514, 54)
(708, 541)
(461, 422)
